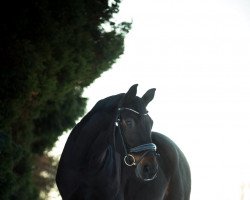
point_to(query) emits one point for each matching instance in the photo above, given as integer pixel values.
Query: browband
(130, 109)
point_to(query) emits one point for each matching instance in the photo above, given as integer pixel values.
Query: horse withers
(112, 154)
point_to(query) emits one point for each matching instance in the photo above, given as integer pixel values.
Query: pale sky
(197, 55)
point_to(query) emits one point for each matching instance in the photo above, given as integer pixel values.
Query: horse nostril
(146, 169)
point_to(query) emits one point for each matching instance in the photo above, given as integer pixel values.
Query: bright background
(197, 54)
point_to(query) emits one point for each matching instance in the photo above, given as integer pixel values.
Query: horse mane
(108, 104)
(86, 142)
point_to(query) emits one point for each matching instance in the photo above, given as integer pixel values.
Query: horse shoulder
(175, 166)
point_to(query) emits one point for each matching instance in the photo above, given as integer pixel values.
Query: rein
(129, 159)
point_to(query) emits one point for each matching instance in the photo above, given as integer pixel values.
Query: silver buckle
(127, 158)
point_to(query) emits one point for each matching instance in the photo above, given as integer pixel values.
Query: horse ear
(130, 95)
(148, 96)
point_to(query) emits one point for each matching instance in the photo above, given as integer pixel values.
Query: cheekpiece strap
(143, 147)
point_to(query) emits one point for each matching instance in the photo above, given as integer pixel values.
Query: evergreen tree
(50, 51)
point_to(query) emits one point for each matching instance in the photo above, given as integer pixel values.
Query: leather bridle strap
(143, 147)
(149, 147)
(134, 111)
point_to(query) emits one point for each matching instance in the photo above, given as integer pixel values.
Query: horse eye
(129, 123)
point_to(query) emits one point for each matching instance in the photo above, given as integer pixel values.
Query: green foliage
(6, 179)
(15, 171)
(50, 51)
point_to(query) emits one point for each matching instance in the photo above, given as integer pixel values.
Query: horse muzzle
(144, 158)
(147, 167)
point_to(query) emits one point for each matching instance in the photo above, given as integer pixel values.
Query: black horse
(111, 154)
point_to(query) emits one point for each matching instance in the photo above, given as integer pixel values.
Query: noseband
(129, 159)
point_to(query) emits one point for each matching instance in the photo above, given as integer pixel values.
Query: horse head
(134, 125)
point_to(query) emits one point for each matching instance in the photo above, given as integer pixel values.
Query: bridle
(147, 148)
